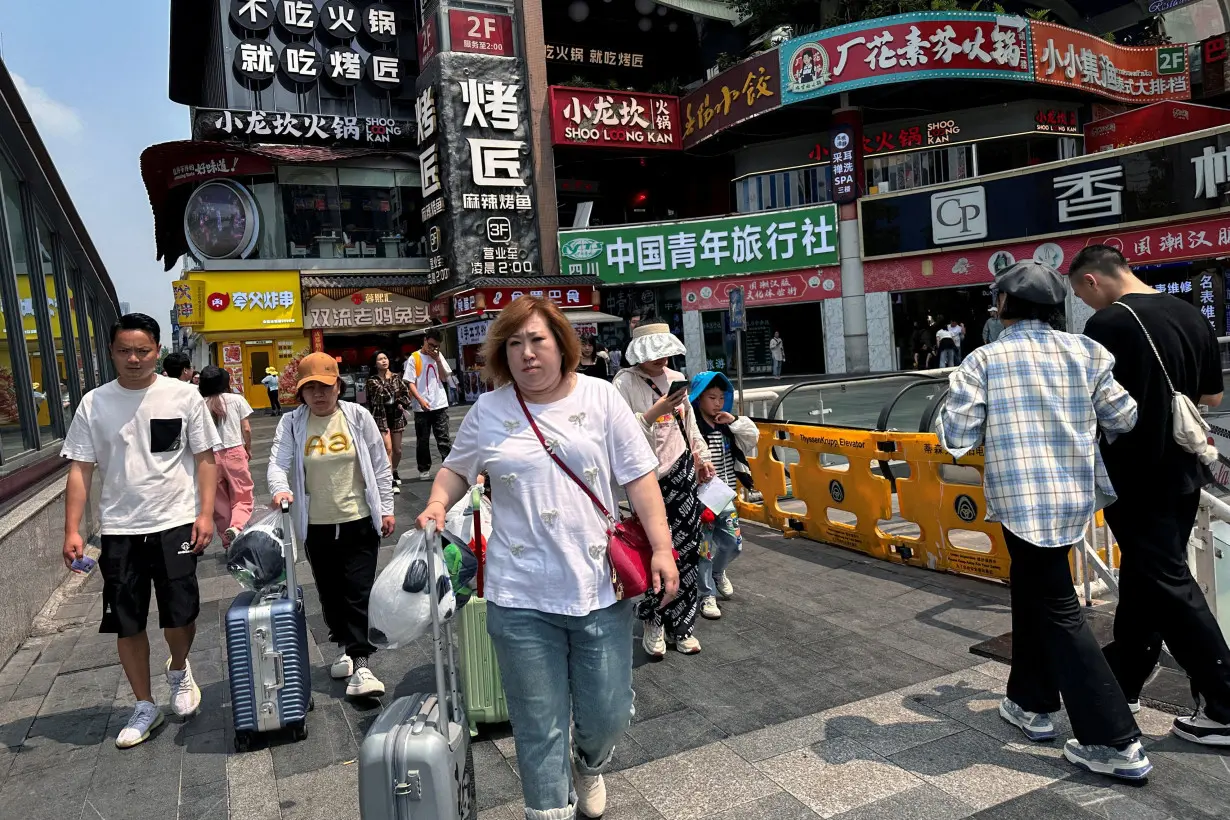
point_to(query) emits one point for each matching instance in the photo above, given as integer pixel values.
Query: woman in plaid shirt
(1036, 399)
(388, 398)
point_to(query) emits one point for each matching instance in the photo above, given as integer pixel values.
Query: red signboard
(1074, 59)
(429, 40)
(614, 119)
(1152, 122)
(760, 291)
(479, 32)
(477, 301)
(1164, 243)
(747, 90)
(438, 309)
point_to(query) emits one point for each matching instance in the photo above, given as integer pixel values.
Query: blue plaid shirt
(1036, 398)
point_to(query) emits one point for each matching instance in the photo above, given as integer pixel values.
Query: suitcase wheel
(243, 742)
(311, 704)
(299, 732)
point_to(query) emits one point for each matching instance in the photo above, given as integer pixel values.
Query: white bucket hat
(652, 342)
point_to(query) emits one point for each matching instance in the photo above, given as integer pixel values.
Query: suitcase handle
(279, 676)
(447, 697)
(288, 554)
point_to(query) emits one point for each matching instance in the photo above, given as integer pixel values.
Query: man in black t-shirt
(1158, 486)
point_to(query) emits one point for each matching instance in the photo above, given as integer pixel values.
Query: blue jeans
(560, 670)
(948, 358)
(777, 367)
(723, 545)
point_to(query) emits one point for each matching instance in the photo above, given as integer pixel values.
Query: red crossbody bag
(628, 549)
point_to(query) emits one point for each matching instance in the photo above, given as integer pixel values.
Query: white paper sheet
(715, 495)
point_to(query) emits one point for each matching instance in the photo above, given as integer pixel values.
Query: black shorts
(130, 562)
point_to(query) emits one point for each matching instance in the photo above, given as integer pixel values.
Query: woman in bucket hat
(683, 463)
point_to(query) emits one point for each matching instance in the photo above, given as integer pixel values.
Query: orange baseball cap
(317, 367)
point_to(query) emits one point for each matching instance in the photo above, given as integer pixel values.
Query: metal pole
(739, 369)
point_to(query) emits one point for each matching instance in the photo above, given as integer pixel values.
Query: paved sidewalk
(834, 686)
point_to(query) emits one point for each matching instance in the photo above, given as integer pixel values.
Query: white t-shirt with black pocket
(144, 443)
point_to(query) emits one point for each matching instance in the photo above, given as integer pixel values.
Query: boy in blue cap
(732, 440)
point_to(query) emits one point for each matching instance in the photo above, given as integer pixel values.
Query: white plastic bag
(399, 611)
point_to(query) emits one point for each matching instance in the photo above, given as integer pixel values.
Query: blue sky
(94, 75)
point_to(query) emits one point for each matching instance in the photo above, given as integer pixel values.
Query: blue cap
(703, 381)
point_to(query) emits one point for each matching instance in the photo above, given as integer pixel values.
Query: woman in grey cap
(1036, 398)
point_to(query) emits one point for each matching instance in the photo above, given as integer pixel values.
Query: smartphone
(84, 565)
(677, 386)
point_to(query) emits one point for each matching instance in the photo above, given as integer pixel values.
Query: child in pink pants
(233, 500)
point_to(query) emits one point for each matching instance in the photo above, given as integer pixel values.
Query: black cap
(1033, 282)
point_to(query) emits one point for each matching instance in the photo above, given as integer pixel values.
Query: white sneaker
(396, 490)
(185, 694)
(1134, 707)
(591, 793)
(145, 719)
(654, 641)
(709, 608)
(230, 535)
(342, 668)
(724, 587)
(688, 646)
(363, 684)
(425, 476)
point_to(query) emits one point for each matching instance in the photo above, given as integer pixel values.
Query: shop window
(47, 367)
(351, 213)
(16, 429)
(86, 375)
(782, 189)
(914, 169)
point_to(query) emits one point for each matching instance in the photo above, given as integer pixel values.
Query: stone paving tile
(837, 775)
(886, 725)
(6, 692)
(204, 758)
(207, 801)
(699, 782)
(675, 732)
(253, 787)
(652, 700)
(628, 754)
(16, 717)
(920, 803)
(16, 667)
(328, 794)
(981, 712)
(977, 769)
(38, 681)
(780, 806)
(1209, 761)
(495, 780)
(508, 811)
(1095, 796)
(784, 737)
(51, 794)
(956, 686)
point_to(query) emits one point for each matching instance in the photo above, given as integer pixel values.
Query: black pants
(1159, 600)
(343, 559)
(275, 407)
(427, 423)
(1054, 650)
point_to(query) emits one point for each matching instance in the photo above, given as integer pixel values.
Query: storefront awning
(340, 285)
(590, 317)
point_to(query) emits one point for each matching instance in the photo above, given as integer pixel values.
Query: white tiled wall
(834, 337)
(880, 348)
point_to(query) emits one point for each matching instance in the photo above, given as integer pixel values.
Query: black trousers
(275, 407)
(426, 424)
(1159, 600)
(343, 559)
(1054, 650)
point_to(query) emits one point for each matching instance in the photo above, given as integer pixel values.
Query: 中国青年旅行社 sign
(692, 249)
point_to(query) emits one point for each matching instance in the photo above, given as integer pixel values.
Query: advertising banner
(1151, 122)
(1156, 182)
(366, 309)
(905, 48)
(474, 159)
(1074, 59)
(1176, 242)
(253, 127)
(480, 32)
(971, 125)
(250, 300)
(478, 301)
(762, 291)
(614, 119)
(747, 90)
(189, 302)
(724, 246)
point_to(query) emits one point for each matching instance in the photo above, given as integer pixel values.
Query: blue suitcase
(267, 656)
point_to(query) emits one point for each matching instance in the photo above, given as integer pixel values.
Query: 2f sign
(478, 32)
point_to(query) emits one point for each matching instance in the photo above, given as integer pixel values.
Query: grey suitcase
(416, 762)
(267, 656)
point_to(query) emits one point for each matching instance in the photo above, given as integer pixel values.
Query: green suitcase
(481, 684)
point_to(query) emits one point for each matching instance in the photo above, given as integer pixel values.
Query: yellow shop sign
(250, 300)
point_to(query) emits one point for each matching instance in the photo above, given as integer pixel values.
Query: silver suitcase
(416, 762)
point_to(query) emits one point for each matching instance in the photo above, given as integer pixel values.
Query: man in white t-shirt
(427, 375)
(152, 441)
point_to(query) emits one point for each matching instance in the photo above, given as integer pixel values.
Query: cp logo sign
(959, 216)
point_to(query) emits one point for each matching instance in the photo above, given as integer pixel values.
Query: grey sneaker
(1128, 764)
(1037, 726)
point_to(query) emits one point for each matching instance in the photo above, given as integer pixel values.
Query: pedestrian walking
(992, 327)
(388, 400)
(732, 441)
(658, 397)
(957, 331)
(178, 366)
(330, 455)
(1036, 398)
(945, 344)
(426, 375)
(271, 387)
(594, 360)
(152, 442)
(233, 500)
(562, 638)
(777, 352)
(1161, 345)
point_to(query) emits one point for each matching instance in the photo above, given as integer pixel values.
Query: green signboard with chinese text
(752, 243)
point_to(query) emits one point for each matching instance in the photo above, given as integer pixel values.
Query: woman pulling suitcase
(330, 455)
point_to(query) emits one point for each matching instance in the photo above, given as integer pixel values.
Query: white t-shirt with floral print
(547, 547)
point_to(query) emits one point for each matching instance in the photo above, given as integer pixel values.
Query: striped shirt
(723, 460)
(1035, 398)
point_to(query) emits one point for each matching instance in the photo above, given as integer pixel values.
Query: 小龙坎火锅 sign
(255, 127)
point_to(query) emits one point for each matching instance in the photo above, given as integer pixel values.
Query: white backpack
(1188, 427)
